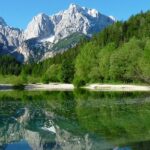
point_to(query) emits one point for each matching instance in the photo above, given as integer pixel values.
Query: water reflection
(74, 120)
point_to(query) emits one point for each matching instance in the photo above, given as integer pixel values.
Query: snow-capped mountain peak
(84, 10)
(74, 6)
(74, 19)
(93, 12)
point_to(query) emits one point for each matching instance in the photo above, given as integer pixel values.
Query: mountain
(40, 27)
(62, 24)
(45, 34)
(2, 22)
(10, 39)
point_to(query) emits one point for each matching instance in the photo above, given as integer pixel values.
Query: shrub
(45, 79)
(79, 82)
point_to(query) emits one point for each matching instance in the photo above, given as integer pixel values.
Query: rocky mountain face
(44, 32)
(10, 39)
(75, 19)
(40, 27)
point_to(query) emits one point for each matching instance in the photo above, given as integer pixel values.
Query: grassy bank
(12, 79)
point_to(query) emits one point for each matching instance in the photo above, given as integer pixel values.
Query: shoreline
(70, 87)
(117, 87)
(50, 87)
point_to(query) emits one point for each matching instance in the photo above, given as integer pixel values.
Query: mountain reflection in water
(79, 120)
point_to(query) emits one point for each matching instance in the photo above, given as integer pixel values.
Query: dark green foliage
(79, 82)
(67, 71)
(124, 61)
(86, 63)
(144, 64)
(104, 62)
(120, 53)
(45, 79)
(18, 87)
(69, 42)
(27, 69)
(137, 26)
(53, 74)
(9, 65)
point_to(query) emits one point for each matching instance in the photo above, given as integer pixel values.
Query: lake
(79, 120)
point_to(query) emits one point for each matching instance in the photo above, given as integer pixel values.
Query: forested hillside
(118, 54)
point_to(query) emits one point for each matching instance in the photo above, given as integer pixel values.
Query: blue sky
(18, 13)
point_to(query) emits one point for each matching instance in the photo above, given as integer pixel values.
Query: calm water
(77, 120)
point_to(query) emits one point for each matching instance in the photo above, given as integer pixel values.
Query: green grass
(15, 80)
(10, 79)
(19, 80)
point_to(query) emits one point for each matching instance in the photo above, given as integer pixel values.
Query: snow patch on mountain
(49, 39)
(93, 12)
(113, 18)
